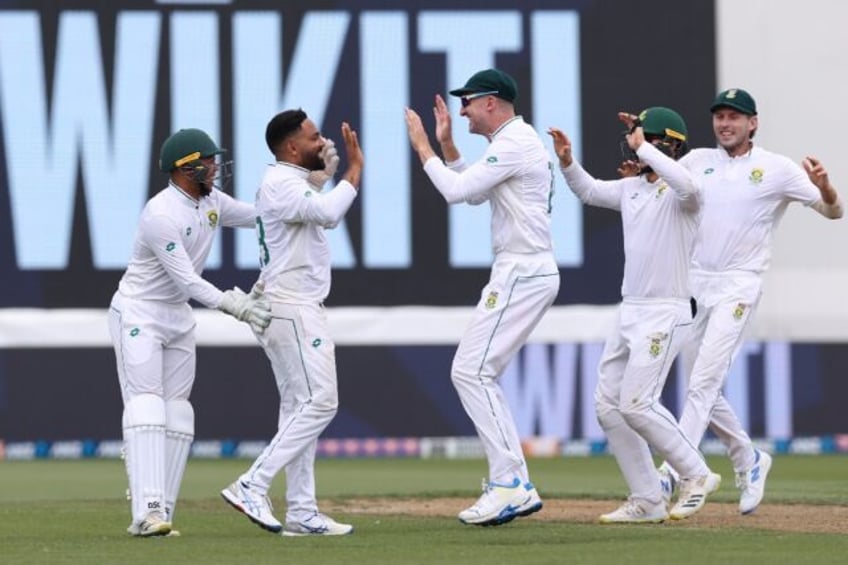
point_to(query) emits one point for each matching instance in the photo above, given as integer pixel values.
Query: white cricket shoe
(533, 504)
(693, 494)
(668, 482)
(637, 511)
(154, 524)
(317, 525)
(499, 504)
(752, 482)
(257, 507)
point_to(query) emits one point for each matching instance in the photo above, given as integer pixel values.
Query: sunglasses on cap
(466, 100)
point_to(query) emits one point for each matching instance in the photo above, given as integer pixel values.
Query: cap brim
(463, 91)
(745, 111)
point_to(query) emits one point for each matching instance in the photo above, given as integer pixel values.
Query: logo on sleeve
(491, 159)
(757, 176)
(213, 218)
(171, 246)
(709, 171)
(492, 300)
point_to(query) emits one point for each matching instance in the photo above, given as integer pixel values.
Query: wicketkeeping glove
(251, 308)
(331, 164)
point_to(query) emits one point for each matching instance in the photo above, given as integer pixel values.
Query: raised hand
(562, 146)
(636, 137)
(355, 159)
(444, 134)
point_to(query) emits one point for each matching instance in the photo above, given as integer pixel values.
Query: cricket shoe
(499, 504)
(257, 507)
(533, 504)
(317, 525)
(637, 511)
(693, 494)
(668, 482)
(752, 482)
(154, 524)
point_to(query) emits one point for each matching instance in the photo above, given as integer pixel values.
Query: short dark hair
(282, 126)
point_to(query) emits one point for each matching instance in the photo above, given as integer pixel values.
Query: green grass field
(75, 512)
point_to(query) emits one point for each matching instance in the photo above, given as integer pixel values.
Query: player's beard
(313, 162)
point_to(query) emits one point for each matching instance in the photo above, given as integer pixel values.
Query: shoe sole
(632, 522)
(764, 471)
(287, 533)
(237, 506)
(502, 519)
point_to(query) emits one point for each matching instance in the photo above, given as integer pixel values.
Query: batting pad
(179, 416)
(144, 440)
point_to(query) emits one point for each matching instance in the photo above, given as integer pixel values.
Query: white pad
(179, 416)
(144, 441)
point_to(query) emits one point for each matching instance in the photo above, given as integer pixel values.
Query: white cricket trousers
(156, 357)
(521, 289)
(726, 304)
(303, 359)
(633, 369)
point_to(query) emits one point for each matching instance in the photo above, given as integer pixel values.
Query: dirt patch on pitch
(779, 517)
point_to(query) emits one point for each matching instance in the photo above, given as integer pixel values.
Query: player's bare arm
(355, 160)
(562, 146)
(444, 132)
(417, 136)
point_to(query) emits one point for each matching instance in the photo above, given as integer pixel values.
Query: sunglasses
(466, 100)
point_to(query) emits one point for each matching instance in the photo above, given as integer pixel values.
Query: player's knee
(144, 410)
(607, 413)
(634, 412)
(179, 417)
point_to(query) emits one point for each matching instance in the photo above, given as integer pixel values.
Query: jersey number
(264, 255)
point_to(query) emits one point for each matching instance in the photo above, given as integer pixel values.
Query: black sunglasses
(466, 100)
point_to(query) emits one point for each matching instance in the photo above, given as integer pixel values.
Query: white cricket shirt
(292, 217)
(744, 199)
(659, 221)
(515, 176)
(173, 240)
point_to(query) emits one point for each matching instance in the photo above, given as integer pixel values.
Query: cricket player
(292, 214)
(659, 214)
(746, 190)
(515, 176)
(152, 325)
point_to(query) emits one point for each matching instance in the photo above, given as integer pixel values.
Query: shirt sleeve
(797, 185)
(298, 202)
(673, 173)
(236, 213)
(475, 182)
(602, 193)
(163, 237)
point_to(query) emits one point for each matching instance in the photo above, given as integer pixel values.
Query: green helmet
(663, 122)
(185, 147)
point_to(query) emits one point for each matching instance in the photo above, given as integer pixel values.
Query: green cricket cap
(496, 81)
(737, 99)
